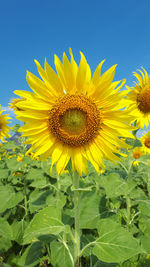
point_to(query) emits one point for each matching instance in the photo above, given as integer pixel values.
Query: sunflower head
(20, 158)
(145, 140)
(71, 115)
(137, 152)
(14, 102)
(4, 128)
(139, 99)
(135, 163)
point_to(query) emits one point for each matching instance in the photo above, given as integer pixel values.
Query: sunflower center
(143, 100)
(136, 155)
(75, 120)
(147, 142)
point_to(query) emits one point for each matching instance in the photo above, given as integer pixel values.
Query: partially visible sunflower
(73, 116)
(20, 158)
(137, 152)
(139, 99)
(145, 140)
(4, 129)
(13, 104)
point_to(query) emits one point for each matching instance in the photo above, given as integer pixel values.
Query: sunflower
(145, 140)
(13, 103)
(137, 152)
(4, 129)
(139, 99)
(73, 116)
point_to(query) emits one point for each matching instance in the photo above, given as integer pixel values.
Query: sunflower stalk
(77, 193)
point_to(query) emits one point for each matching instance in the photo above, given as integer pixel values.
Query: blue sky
(33, 29)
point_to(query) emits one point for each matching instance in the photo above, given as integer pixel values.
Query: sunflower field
(75, 178)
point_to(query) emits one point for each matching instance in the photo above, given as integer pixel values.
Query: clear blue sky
(34, 29)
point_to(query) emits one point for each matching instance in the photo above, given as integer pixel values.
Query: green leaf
(37, 199)
(145, 243)
(9, 145)
(13, 164)
(56, 201)
(144, 206)
(5, 229)
(113, 185)
(65, 181)
(89, 210)
(5, 235)
(37, 178)
(18, 229)
(60, 256)
(4, 173)
(31, 256)
(144, 225)
(115, 244)
(9, 198)
(47, 221)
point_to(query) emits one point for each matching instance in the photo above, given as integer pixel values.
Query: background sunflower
(4, 128)
(139, 99)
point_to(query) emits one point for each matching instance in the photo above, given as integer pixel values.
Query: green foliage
(115, 244)
(37, 213)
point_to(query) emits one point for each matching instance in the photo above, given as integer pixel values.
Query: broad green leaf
(144, 225)
(5, 229)
(138, 195)
(115, 244)
(14, 165)
(39, 183)
(60, 256)
(18, 229)
(5, 244)
(34, 174)
(31, 256)
(56, 201)
(144, 206)
(37, 178)
(37, 199)
(65, 181)
(9, 145)
(4, 173)
(46, 168)
(145, 243)
(86, 239)
(9, 198)
(113, 185)
(5, 235)
(47, 221)
(89, 210)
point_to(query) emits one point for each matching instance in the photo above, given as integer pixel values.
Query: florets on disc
(75, 120)
(137, 152)
(145, 140)
(143, 100)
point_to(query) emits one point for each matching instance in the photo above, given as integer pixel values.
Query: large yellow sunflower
(139, 99)
(4, 129)
(73, 116)
(145, 140)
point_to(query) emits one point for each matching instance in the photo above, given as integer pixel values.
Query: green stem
(25, 198)
(76, 178)
(128, 210)
(128, 201)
